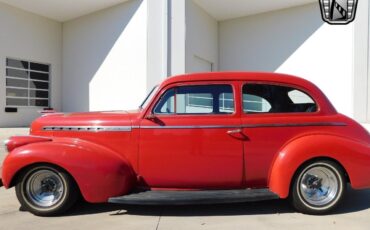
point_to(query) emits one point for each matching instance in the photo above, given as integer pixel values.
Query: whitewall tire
(46, 190)
(318, 187)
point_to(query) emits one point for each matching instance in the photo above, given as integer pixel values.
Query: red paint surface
(106, 164)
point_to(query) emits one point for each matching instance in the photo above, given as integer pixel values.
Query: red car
(198, 138)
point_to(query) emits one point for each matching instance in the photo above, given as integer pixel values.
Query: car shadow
(263, 207)
(355, 201)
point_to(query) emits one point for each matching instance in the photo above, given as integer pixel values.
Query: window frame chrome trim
(180, 84)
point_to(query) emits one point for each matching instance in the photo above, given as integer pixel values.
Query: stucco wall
(361, 63)
(294, 41)
(105, 59)
(201, 40)
(33, 38)
(158, 42)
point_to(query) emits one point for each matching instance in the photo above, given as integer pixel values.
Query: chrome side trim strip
(129, 128)
(295, 124)
(190, 127)
(244, 126)
(88, 128)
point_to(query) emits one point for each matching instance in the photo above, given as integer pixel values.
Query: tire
(58, 190)
(318, 187)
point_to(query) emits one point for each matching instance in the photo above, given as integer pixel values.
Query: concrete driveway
(353, 214)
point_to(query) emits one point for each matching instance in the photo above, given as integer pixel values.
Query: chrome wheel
(45, 188)
(319, 186)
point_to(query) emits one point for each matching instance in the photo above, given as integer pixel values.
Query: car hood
(87, 119)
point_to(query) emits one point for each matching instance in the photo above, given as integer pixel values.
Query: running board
(160, 197)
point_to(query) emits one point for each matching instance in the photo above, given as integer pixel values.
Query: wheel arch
(98, 172)
(22, 170)
(351, 155)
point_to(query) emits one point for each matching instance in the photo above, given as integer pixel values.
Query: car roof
(313, 90)
(240, 76)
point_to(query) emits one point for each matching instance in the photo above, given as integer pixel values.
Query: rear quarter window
(269, 98)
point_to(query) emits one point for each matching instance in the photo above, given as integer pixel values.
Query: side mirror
(154, 119)
(150, 116)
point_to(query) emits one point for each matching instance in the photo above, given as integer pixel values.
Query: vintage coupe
(198, 138)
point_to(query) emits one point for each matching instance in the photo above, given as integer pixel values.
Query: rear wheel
(46, 190)
(318, 187)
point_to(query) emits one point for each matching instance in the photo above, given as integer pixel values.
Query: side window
(264, 98)
(166, 103)
(187, 102)
(200, 99)
(226, 102)
(255, 104)
(298, 97)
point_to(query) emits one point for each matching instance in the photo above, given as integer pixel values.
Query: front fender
(353, 155)
(99, 172)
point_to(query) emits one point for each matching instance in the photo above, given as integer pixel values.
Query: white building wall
(294, 41)
(201, 40)
(158, 42)
(33, 38)
(105, 59)
(361, 63)
(177, 40)
(108, 60)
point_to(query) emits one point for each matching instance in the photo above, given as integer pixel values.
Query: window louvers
(27, 83)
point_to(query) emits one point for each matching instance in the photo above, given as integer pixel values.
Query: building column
(158, 42)
(361, 63)
(178, 36)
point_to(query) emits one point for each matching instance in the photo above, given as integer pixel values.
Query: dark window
(16, 63)
(201, 99)
(226, 102)
(39, 94)
(37, 102)
(264, 98)
(39, 85)
(27, 83)
(39, 67)
(39, 76)
(167, 103)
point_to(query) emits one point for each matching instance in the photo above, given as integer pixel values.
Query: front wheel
(318, 187)
(46, 190)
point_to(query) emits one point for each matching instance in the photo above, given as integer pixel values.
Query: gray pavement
(353, 214)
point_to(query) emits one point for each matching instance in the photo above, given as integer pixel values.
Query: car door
(188, 140)
(272, 115)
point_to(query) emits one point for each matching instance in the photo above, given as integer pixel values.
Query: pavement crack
(159, 219)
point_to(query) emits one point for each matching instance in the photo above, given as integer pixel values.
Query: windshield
(149, 97)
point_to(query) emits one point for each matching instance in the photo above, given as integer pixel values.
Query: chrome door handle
(234, 131)
(238, 134)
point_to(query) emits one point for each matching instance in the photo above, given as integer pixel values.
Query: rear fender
(354, 157)
(99, 172)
